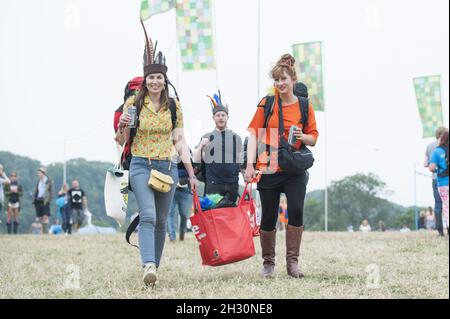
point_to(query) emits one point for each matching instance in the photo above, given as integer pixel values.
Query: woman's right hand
(124, 120)
(250, 173)
(204, 143)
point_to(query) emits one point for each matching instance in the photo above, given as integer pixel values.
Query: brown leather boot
(268, 241)
(293, 241)
(181, 236)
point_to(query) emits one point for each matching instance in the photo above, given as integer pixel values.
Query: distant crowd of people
(71, 204)
(436, 160)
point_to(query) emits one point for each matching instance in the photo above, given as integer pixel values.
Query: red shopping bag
(225, 235)
(248, 205)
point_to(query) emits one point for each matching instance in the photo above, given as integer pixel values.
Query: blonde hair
(285, 64)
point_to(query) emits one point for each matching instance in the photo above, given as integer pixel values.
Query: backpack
(132, 88)
(300, 91)
(444, 173)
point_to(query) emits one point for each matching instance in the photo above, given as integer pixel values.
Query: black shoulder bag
(294, 161)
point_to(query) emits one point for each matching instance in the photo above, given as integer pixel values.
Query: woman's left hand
(298, 133)
(193, 183)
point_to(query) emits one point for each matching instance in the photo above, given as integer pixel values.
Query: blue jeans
(437, 208)
(153, 206)
(66, 219)
(183, 199)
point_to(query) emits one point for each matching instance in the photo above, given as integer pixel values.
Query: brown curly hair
(285, 64)
(443, 140)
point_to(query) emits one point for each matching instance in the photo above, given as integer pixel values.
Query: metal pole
(177, 64)
(216, 57)
(326, 184)
(258, 58)
(325, 139)
(416, 214)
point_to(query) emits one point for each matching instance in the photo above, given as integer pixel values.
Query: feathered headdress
(217, 105)
(152, 64)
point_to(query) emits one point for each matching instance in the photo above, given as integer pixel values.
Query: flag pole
(214, 26)
(416, 218)
(65, 164)
(258, 69)
(177, 61)
(258, 58)
(325, 139)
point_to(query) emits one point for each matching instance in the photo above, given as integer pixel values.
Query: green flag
(428, 94)
(152, 7)
(309, 71)
(195, 34)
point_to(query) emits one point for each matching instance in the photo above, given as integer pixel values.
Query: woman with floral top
(156, 144)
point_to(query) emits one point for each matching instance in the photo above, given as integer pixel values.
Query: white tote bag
(116, 190)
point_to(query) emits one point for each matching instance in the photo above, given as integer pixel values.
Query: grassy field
(337, 265)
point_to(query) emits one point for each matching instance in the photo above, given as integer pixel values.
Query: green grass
(337, 265)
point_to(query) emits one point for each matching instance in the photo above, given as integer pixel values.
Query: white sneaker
(149, 274)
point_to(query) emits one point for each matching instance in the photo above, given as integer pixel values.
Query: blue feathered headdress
(217, 104)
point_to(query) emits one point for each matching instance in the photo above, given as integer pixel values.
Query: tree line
(350, 200)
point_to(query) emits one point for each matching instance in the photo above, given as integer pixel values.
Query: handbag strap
(245, 193)
(197, 206)
(120, 149)
(130, 230)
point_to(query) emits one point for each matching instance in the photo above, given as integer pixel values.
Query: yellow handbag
(160, 182)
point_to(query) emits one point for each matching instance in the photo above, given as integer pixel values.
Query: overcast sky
(64, 65)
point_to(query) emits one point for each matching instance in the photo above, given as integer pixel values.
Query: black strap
(130, 230)
(304, 110)
(235, 159)
(280, 117)
(173, 112)
(268, 109)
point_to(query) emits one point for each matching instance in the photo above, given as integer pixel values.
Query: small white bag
(116, 190)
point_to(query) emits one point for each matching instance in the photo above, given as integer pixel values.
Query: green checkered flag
(151, 7)
(195, 34)
(428, 94)
(309, 70)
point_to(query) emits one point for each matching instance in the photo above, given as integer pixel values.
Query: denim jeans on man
(182, 200)
(153, 206)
